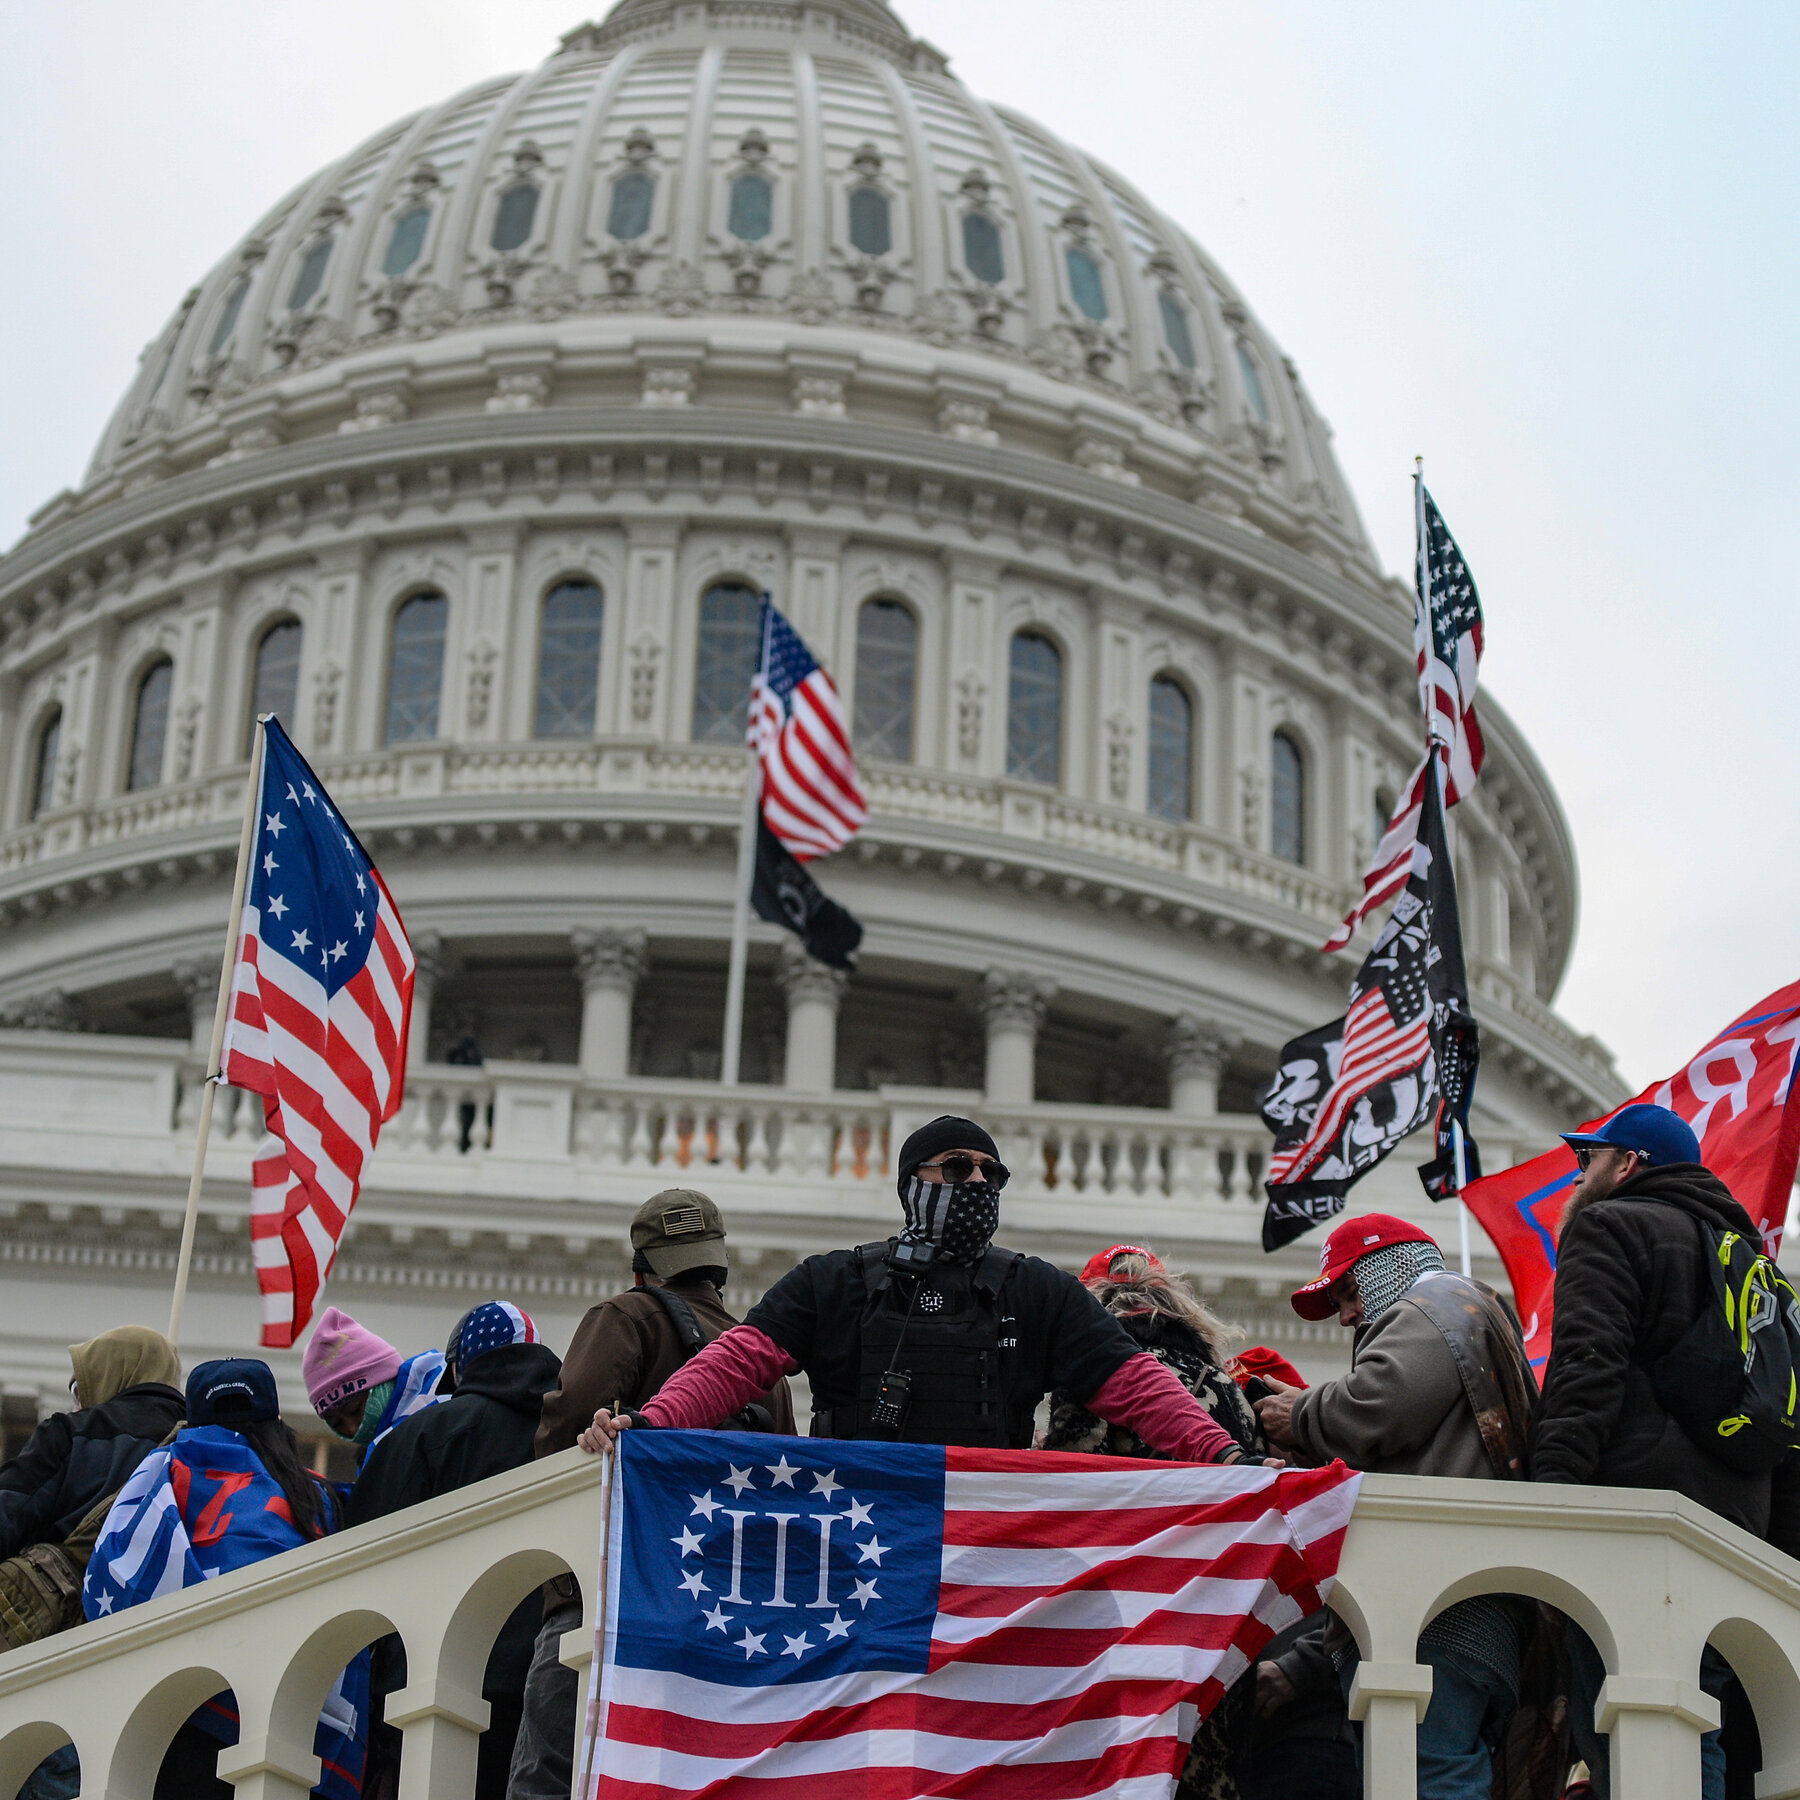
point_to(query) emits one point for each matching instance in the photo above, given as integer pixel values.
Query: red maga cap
(1100, 1267)
(1353, 1239)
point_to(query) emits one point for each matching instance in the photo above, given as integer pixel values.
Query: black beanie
(946, 1132)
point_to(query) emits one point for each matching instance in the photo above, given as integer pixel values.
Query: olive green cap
(678, 1229)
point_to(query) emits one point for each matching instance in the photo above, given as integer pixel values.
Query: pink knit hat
(343, 1359)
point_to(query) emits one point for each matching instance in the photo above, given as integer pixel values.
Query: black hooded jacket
(74, 1460)
(1632, 1274)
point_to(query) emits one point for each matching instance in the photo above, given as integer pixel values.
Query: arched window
(1171, 793)
(628, 216)
(1034, 709)
(407, 241)
(729, 651)
(234, 304)
(1175, 329)
(150, 726)
(1253, 387)
(277, 681)
(887, 655)
(416, 669)
(752, 213)
(1085, 285)
(43, 776)
(514, 215)
(568, 678)
(1287, 799)
(871, 227)
(981, 248)
(311, 276)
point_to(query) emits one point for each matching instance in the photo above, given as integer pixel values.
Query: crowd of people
(938, 1335)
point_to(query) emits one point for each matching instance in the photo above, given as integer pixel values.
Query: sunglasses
(1584, 1154)
(960, 1168)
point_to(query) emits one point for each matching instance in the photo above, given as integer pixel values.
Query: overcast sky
(1550, 248)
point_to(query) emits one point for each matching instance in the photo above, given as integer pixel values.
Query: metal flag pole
(746, 877)
(232, 931)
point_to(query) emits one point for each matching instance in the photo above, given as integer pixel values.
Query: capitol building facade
(471, 461)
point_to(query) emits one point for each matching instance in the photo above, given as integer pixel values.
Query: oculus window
(1287, 799)
(628, 213)
(1175, 329)
(514, 216)
(887, 656)
(871, 226)
(416, 669)
(277, 679)
(728, 654)
(150, 726)
(234, 304)
(1253, 387)
(311, 276)
(1085, 286)
(1171, 770)
(1034, 697)
(981, 248)
(751, 214)
(568, 677)
(43, 776)
(407, 241)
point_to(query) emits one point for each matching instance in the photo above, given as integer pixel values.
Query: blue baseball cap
(1659, 1136)
(235, 1391)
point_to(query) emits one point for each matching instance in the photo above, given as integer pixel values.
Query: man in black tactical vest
(935, 1336)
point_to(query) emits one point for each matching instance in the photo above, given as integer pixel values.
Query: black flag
(1405, 1052)
(784, 894)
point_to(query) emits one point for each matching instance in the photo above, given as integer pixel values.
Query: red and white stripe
(811, 797)
(1090, 1612)
(330, 1077)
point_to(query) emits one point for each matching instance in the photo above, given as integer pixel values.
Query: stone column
(1196, 1051)
(1013, 1003)
(428, 965)
(813, 991)
(610, 963)
(198, 979)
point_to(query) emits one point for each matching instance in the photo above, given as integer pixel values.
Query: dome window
(729, 650)
(150, 727)
(1086, 288)
(1034, 709)
(1253, 387)
(1171, 790)
(981, 248)
(871, 224)
(228, 318)
(43, 784)
(1176, 333)
(887, 656)
(276, 684)
(514, 216)
(1287, 799)
(311, 276)
(751, 216)
(568, 679)
(407, 241)
(416, 669)
(628, 216)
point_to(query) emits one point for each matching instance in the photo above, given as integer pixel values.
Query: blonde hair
(1135, 1285)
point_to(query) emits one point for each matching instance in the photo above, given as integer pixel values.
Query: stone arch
(314, 1665)
(137, 1751)
(1767, 1670)
(22, 1749)
(460, 1654)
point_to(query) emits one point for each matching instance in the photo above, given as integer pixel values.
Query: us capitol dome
(471, 460)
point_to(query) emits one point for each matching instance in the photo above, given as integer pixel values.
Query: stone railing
(1652, 1579)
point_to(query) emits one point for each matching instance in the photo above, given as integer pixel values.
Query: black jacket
(485, 1428)
(74, 1460)
(1632, 1275)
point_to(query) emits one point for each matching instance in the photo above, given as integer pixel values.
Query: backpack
(755, 1416)
(1732, 1382)
(40, 1588)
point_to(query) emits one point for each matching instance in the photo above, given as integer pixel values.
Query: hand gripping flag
(1404, 1053)
(1447, 642)
(843, 1620)
(320, 1003)
(811, 798)
(1736, 1094)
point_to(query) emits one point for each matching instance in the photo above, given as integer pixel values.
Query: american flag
(811, 798)
(1447, 643)
(320, 1003)
(869, 1621)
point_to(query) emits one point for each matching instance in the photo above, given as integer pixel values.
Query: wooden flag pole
(232, 931)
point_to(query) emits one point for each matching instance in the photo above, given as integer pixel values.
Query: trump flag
(848, 1620)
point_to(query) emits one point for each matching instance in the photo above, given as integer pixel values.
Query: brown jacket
(623, 1350)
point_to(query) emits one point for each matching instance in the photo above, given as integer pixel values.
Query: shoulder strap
(997, 1267)
(872, 1259)
(681, 1315)
(1483, 1344)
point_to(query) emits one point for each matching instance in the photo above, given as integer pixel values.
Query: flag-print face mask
(959, 1218)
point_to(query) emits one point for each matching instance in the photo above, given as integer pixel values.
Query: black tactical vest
(960, 1337)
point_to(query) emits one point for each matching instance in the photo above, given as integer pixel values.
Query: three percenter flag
(320, 1002)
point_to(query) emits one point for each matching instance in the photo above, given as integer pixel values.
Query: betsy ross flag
(1403, 1055)
(1447, 643)
(855, 1619)
(810, 797)
(320, 1002)
(1736, 1094)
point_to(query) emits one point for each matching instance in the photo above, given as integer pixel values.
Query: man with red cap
(1438, 1385)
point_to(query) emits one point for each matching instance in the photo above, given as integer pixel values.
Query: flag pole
(746, 876)
(232, 930)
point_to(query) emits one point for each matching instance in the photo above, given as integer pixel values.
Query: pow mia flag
(784, 894)
(1404, 1053)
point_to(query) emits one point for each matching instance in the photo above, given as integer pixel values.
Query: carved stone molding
(1196, 1046)
(802, 978)
(1014, 1000)
(611, 957)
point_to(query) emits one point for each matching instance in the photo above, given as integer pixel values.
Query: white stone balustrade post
(1013, 1003)
(1196, 1051)
(428, 966)
(813, 991)
(1390, 1698)
(1654, 1726)
(610, 964)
